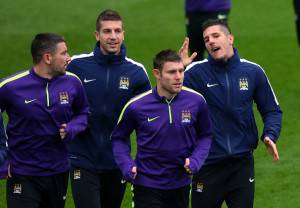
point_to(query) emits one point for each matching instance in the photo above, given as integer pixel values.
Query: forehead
(212, 29)
(172, 65)
(61, 47)
(111, 24)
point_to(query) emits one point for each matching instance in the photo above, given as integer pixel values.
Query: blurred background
(264, 33)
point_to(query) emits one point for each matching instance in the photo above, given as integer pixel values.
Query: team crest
(17, 188)
(199, 187)
(124, 83)
(243, 84)
(185, 116)
(77, 174)
(63, 98)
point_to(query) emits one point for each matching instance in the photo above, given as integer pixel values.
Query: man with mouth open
(230, 85)
(173, 137)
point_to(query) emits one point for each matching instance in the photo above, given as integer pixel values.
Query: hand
(184, 53)
(187, 165)
(62, 131)
(134, 172)
(272, 148)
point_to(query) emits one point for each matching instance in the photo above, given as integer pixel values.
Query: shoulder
(197, 65)
(192, 94)
(72, 77)
(251, 65)
(13, 78)
(82, 56)
(136, 65)
(133, 103)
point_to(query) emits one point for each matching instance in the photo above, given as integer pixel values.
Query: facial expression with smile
(110, 36)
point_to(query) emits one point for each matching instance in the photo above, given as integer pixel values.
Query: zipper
(228, 104)
(107, 78)
(170, 110)
(47, 95)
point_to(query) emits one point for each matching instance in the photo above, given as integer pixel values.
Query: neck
(43, 71)
(164, 93)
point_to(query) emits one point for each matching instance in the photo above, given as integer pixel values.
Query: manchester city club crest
(124, 83)
(63, 98)
(77, 174)
(199, 187)
(185, 116)
(17, 188)
(243, 84)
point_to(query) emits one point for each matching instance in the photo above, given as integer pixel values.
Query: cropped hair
(164, 56)
(213, 22)
(44, 43)
(107, 15)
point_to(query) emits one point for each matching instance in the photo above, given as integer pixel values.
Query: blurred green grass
(264, 33)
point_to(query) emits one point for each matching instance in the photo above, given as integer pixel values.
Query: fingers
(187, 166)
(62, 131)
(134, 171)
(272, 148)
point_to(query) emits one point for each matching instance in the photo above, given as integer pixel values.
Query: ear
(97, 35)
(47, 58)
(231, 39)
(156, 73)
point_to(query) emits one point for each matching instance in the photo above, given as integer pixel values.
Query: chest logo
(212, 85)
(63, 98)
(17, 188)
(29, 101)
(186, 116)
(124, 83)
(88, 80)
(243, 84)
(152, 119)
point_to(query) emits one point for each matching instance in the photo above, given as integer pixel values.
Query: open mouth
(215, 49)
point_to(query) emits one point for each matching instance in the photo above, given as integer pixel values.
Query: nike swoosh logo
(123, 181)
(29, 101)
(152, 119)
(251, 180)
(212, 85)
(88, 80)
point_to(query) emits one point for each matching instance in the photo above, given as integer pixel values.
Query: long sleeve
(79, 120)
(268, 107)
(204, 139)
(3, 141)
(121, 144)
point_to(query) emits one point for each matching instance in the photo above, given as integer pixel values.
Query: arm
(270, 111)
(121, 144)
(204, 139)
(3, 142)
(79, 120)
(142, 82)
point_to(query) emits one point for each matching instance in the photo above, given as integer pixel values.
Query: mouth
(215, 49)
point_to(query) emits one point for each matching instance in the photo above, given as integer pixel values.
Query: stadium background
(264, 33)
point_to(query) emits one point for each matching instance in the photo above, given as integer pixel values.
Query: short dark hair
(164, 56)
(107, 15)
(44, 43)
(213, 22)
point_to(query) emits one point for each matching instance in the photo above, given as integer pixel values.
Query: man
(110, 80)
(231, 85)
(173, 137)
(197, 12)
(46, 107)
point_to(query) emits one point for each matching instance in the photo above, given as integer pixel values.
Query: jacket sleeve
(204, 139)
(121, 143)
(142, 82)
(3, 142)
(268, 107)
(79, 119)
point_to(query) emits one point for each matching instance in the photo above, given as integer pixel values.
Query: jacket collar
(221, 65)
(163, 98)
(109, 59)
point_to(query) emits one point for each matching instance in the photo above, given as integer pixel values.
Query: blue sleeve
(142, 83)
(268, 107)
(121, 143)
(80, 107)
